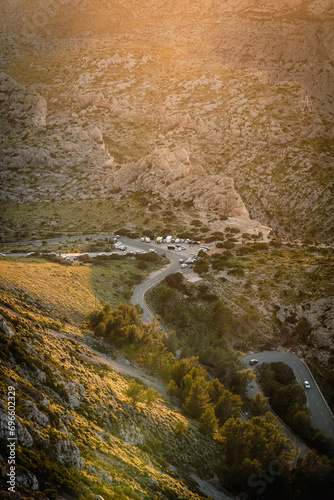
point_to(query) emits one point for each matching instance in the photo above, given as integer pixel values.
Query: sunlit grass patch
(69, 292)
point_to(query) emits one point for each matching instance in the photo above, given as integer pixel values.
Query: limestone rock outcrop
(23, 435)
(68, 454)
(34, 414)
(4, 327)
(291, 40)
(170, 174)
(17, 104)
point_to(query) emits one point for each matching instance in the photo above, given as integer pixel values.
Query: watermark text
(11, 438)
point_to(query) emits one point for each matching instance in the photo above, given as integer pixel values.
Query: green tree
(185, 386)
(222, 314)
(100, 329)
(151, 395)
(322, 443)
(301, 423)
(172, 389)
(286, 397)
(172, 342)
(313, 477)
(182, 367)
(198, 398)
(166, 372)
(228, 406)
(216, 390)
(260, 439)
(208, 424)
(240, 380)
(258, 405)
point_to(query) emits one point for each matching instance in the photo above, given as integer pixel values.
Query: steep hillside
(92, 424)
(79, 433)
(290, 40)
(111, 101)
(106, 83)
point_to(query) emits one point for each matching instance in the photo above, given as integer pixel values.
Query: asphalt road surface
(321, 415)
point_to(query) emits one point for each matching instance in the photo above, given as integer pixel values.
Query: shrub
(229, 245)
(135, 392)
(181, 428)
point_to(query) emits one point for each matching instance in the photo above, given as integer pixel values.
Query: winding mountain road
(322, 417)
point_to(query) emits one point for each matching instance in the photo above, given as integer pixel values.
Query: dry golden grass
(69, 292)
(64, 291)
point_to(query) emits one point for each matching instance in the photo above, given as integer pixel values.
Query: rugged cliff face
(121, 79)
(171, 175)
(291, 40)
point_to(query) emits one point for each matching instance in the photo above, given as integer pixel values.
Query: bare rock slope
(18, 104)
(291, 40)
(171, 174)
(245, 87)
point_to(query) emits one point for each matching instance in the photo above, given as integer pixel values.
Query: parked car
(253, 362)
(307, 385)
(183, 266)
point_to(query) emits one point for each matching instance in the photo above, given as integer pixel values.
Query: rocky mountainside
(243, 87)
(171, 174)
(290, 40)
(80, 434)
